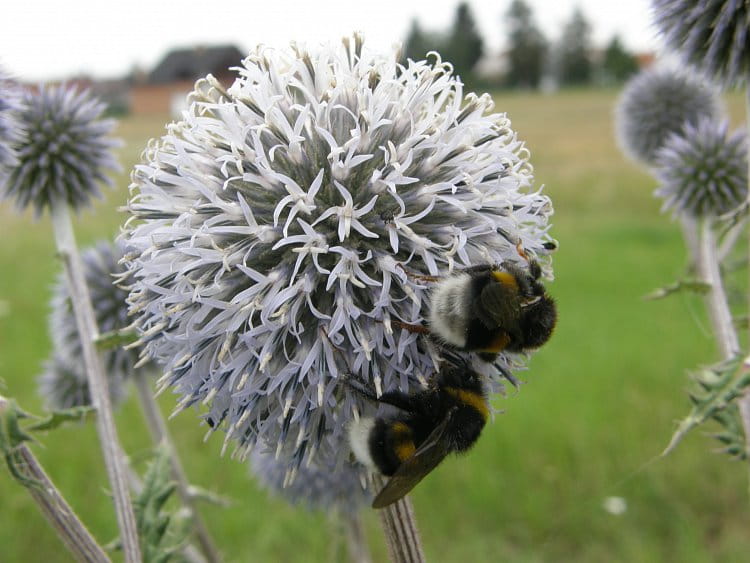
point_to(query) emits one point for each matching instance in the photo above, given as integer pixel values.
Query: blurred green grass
(598, 404)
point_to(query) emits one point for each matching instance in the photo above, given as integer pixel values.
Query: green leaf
(12, 436)
(204, 495)
(720, 385)
(160, 532)
(689, 285)
(116, 339)
(59, 417)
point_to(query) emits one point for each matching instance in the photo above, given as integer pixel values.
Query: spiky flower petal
(64, 385)
(10, 132)
(714, 35)
(295, 203)
(101, 269)
(317, 488)
(64, 151)
(656, 103)
(702, 171)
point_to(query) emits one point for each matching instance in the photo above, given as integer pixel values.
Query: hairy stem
(400, 527)
(692, 238)
(718, 308)
(744, 402)
(160, 434)
(55, 509)
(355, 539)
(105, 425)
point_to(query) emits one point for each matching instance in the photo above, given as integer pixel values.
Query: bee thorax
(450, 308)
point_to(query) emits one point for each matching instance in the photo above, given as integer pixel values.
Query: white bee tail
(359, 437)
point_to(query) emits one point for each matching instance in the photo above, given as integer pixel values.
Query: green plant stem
(400, 527)
(105, 425)
(54, 507)
(160, 434)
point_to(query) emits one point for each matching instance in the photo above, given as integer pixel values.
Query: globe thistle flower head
(656, 103)
(101, 269)
(713, 35)
(64, 150)
(317, 488)
(294, 203)
(703, 171)
(63, 385)
(9, 127)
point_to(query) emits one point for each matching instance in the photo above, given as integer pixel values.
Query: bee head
(456, 371)
(538, 321)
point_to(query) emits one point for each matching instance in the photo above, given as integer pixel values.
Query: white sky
(56, 38)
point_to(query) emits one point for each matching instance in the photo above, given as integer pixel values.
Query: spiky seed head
(702, 171)
(273, 228)
(64, 151)
(713, 35)
(63, 385)
(315, 487)
(102, 270)
(656, 103)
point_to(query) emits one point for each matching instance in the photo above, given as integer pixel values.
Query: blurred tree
(419, 42)
(617, 64)
(464, 46)
(527, 47)
(574, 51)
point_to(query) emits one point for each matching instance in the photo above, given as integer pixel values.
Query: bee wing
(413, 470)
(499, 305)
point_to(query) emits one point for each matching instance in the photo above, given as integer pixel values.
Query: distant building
(165, 88)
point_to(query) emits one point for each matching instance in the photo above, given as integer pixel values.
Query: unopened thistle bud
(657, 103)
(64, 149)
(713, 35)
(702, 171)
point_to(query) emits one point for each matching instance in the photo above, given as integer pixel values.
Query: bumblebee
(446, 417)
(489, 309)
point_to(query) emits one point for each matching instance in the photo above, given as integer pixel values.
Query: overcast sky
(53, 39)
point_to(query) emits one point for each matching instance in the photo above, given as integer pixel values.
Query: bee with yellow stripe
(489, 309)
(446, 417)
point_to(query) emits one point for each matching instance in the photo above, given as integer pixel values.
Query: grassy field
(599, 402)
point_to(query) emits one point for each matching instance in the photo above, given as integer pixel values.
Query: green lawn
(599, 402)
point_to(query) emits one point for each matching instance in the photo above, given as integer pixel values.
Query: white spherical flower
(63, 385)
(295, 202)
(102, 270)
(315, 487)
(10, 132)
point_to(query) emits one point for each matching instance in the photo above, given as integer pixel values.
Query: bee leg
(419, 277)
(398, 399)
(362, 388)
(419, 329)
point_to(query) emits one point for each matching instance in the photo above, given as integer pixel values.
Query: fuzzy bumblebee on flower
(276, 227)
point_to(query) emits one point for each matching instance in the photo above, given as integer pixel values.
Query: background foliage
(600, 400)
